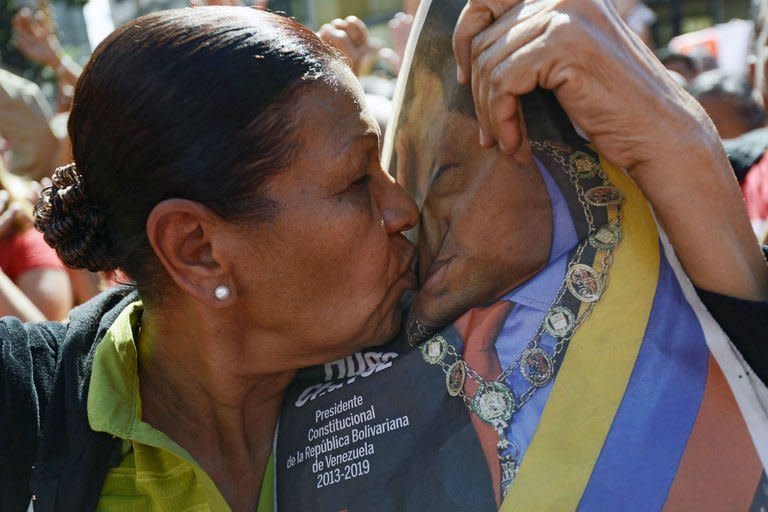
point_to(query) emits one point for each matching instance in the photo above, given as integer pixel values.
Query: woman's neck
(197, 388)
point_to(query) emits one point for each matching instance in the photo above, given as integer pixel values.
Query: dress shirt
(532, 300)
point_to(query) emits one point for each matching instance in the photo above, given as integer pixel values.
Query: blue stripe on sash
(643, 448)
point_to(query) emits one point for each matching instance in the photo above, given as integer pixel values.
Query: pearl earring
(222, 292)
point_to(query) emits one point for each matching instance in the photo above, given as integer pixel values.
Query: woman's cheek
(372, 275)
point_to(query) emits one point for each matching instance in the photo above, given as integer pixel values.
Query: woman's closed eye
(361, 182)
(363, 177)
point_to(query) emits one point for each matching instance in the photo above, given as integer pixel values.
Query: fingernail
(460, 77)
(482, 137)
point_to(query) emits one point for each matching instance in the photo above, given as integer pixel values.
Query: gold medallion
(585, 165)
(433, 350)
(559, 322)
(584, 283)
(606, 238)
(455, 377)
(537, 367)
(605, 195)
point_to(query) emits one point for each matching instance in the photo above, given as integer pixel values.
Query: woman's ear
(182, 234)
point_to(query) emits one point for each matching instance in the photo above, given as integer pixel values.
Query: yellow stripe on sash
(598, 364)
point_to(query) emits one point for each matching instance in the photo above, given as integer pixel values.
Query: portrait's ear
(182, 234)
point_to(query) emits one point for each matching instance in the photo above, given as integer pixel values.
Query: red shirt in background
(25, 251)
(755, 190)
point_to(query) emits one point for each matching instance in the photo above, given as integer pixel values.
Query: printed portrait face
(485, 216)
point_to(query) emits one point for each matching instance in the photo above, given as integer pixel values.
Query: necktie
(479, 328)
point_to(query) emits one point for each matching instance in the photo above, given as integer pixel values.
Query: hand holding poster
(568, 363)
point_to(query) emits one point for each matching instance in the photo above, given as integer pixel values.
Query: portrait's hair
(192, 103)
(434, 54)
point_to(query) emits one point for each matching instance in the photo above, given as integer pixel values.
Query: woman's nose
(398, 211)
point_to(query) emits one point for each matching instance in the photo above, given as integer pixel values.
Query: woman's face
(328, 272)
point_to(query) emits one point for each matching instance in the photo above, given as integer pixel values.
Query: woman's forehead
(330, 121)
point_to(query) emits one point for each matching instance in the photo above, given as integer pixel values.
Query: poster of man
(555, 357)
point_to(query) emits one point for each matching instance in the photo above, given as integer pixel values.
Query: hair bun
(72, 224)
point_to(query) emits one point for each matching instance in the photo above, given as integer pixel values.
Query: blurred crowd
(34, 284)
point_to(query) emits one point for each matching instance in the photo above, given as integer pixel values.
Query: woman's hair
(190, 103)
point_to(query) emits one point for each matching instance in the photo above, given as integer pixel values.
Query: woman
(259, 244)
(223, 161)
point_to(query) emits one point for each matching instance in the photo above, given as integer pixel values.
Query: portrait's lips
(435, 279)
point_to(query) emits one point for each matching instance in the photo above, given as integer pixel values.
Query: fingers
(348, 35)
(357, 31)
(351, 28)
(503, 68)
(33, 37)
(474, 18)
(23, 29)
(23, 20)
(29, 24)
(339, 39)
(400, 28)
(507, 122)
(199, 3)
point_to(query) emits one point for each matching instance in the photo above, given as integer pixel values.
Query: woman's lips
(410, 279)
(436, 275)
(407, 273)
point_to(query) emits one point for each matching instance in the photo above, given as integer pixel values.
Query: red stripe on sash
(720, 469)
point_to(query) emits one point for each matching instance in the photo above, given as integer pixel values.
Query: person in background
(34, 133)
(26, 260)
(376, 66)
(13, 301)
(350, 36)
(24, 123)
(685, 65)
(729, 102)
(258, 4)
(747, 153)
(34, 38)
(639, 18)
(400, 26)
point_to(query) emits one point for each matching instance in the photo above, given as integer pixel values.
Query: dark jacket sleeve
(28, 354)
(746, 324)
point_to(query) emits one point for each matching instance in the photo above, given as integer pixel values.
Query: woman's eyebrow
(368, 137)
